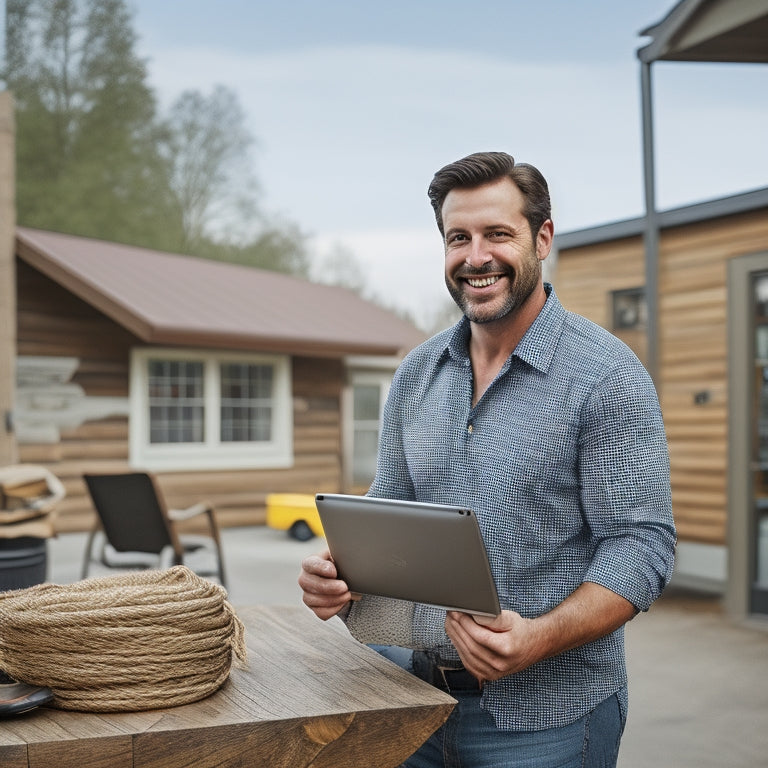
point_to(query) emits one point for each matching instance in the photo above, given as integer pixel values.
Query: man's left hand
(491, 648)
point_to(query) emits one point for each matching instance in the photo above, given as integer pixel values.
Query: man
(549, 428)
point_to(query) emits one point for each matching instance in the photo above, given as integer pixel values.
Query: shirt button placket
(470, 425)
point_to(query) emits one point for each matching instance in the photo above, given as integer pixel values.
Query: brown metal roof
(166, 298)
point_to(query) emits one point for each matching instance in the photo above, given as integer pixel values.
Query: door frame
(741, 547)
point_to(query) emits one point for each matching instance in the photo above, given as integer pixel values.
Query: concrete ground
(698, 682)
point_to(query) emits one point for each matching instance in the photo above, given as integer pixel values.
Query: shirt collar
(537, 347)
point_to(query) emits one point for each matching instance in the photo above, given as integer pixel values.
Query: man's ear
(544, 239)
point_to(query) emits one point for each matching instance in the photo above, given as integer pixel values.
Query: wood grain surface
(310, 696)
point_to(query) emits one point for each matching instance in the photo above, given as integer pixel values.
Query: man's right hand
(324, 592)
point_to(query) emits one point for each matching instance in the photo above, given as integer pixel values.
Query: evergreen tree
(88, 159)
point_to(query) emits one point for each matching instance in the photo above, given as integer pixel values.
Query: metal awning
(725, 31)
(710, 30)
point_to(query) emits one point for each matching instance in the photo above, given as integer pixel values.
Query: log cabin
(228, 382)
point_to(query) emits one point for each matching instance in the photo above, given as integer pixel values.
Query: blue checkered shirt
(564, 461)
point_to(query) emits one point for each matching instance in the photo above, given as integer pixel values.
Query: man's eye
(457, 238)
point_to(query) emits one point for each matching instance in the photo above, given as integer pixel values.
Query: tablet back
(425, 553)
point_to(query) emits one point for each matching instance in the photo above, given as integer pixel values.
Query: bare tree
(209, 152)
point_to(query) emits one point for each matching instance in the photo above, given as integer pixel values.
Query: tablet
(425, 553)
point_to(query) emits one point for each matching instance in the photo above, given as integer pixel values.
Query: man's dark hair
(485, 167)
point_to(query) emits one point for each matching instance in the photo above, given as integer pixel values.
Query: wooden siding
(52, 322)
(586, 277)
(693, 347)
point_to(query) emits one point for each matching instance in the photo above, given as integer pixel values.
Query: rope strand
(122, 643)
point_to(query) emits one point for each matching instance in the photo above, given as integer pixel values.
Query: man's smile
(482, 282)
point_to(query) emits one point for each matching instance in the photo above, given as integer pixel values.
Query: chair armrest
(202, 507)
(185, 514)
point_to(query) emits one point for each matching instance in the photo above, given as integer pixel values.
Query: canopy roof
(710, 30)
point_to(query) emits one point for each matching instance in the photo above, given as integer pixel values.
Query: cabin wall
(586, 277)
(54, 323)
(693, 346)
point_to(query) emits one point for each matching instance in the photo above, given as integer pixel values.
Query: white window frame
(276, 453)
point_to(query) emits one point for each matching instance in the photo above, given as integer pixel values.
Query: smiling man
(489, 241)
(549, 428)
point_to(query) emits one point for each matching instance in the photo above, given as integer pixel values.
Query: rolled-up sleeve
(625, 482)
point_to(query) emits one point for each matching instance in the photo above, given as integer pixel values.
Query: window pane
(629, 309)
(761, 297)
(364, 456)
(246, 402)
(176, 402)
(366, 402)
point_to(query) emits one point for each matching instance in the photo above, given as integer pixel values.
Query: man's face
(492, 263)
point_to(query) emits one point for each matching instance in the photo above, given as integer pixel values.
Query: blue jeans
(470, 738)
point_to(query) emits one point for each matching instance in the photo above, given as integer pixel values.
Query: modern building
(688, 290)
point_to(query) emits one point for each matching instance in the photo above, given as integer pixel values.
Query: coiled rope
(122, 643)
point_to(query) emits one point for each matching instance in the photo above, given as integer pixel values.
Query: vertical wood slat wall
(53, 322)
(693, 346)
(8, 452)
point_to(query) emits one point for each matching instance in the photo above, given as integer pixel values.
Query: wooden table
(311, 696)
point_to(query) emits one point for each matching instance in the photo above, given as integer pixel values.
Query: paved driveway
(698, 683)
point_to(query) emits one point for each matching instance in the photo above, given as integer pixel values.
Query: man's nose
(479, 253)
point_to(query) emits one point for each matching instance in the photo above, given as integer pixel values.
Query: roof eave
(83, 290)
(664, 31)
(745, 202)
(707, 31)
(284, 345)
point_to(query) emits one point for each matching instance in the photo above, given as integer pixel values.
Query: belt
(446, 678)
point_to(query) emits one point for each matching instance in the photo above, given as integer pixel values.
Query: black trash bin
(23, 562)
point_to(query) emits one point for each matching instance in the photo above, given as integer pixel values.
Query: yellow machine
(295, 513)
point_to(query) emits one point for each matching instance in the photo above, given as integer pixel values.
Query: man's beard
(528, 278)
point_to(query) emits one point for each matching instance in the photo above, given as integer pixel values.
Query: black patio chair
(138, 530)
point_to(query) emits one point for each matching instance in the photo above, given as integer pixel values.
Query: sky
(354, 105)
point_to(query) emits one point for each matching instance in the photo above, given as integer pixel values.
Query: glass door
(759, 442)
(364, 403)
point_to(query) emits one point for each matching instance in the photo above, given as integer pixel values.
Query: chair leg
(88, 553)
(213, 525)
(220, 558)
